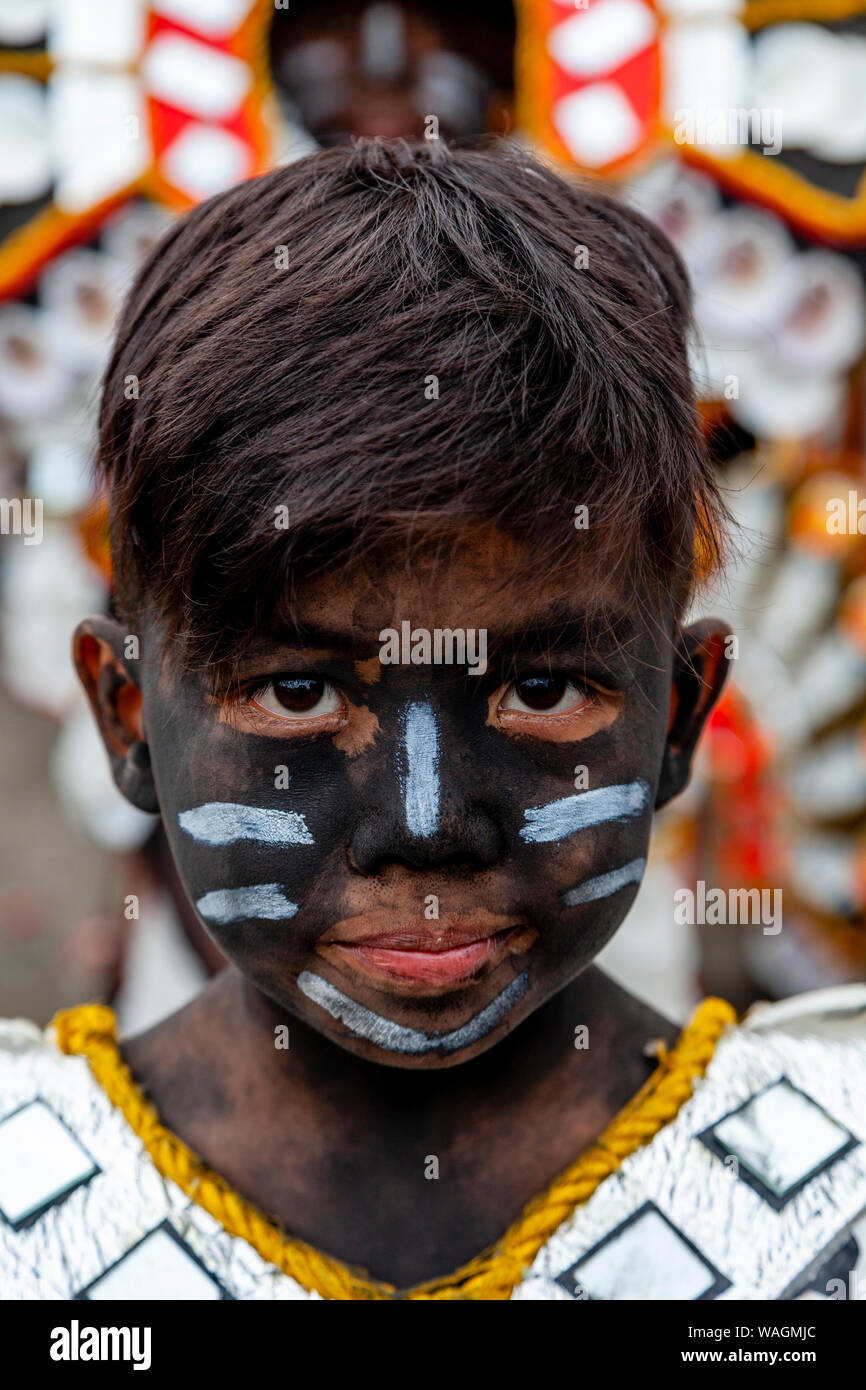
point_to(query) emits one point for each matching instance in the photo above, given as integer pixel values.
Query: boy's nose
(468, 839)
(419, 816)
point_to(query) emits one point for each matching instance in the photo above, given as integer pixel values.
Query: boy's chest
(414, 1203)
(756, 1189)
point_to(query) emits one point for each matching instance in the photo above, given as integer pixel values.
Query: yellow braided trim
(90, 1031)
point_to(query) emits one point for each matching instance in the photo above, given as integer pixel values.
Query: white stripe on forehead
(419, 773)
(223, 822)
(604, 884)
(559, 819)
(265, 901)
(363, 1023)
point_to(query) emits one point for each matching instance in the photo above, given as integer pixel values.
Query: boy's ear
(699, 673)
(105, 671)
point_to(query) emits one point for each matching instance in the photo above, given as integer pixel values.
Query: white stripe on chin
(363, 1023)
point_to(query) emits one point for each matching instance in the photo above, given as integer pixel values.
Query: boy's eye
(546, 694)
(298, 697)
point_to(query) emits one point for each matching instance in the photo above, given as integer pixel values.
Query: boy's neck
(339, 1148)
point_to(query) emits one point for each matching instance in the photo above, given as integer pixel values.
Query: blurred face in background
(354, 69)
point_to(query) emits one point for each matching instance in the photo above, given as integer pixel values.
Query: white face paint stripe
(363, 1023)
(420, 775)
(604, 884)
(262, 900)
(559, 819)
(222, 822)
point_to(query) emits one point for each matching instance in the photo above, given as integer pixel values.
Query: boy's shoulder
(837, 1013)
(84, 1210)
(755, 1190)
(755, 1187)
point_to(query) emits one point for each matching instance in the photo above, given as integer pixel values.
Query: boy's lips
(420, 956)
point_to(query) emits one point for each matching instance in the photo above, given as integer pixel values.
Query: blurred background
(740, 128)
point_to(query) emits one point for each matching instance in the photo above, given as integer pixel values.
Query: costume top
(737, 1172)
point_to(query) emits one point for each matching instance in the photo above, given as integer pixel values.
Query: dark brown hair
(284, 337)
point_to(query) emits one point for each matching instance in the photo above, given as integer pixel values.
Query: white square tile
(215, 18)
(195, 77)
(40, 1160)
(109, 32)
(158, 1269)
(645, 1260)
(597, 123)
(204, 159)
(601, 39)
(780, 1136)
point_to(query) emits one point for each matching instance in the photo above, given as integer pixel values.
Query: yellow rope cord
(90, 1031)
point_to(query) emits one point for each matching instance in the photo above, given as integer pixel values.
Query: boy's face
(413, 857)
(377, 69)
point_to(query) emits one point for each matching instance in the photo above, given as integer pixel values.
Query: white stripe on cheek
(363, 1023)
(420, 775)
(223, 822)
(559, 819)
(603, 885)
(265, 901)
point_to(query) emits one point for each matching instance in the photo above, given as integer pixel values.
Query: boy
(406, 489)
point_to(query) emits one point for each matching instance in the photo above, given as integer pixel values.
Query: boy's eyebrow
(560, 628)
(310, 636)
(572, 630)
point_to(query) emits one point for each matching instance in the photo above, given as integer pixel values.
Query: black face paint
(312, 864)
